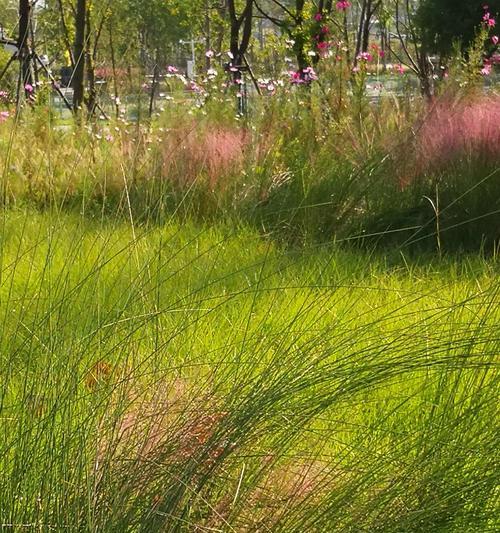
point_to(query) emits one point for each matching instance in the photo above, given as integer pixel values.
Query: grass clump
(418, 177)
(187, 377)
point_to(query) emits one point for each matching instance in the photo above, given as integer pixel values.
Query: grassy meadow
(282, 325)
(190, 377)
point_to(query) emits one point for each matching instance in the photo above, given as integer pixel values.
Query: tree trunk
(359, 35)
(239, 47)
(26, 75)
(234, 36)
(79, 54)
(366, 27)
(425, 75)
(65, 33)
(89, 59)
(300, 39)
(156, 73)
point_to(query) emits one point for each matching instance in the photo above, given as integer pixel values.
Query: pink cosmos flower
(495, 39)
(318, 17)
(399, 69)
(4, 115)
(29, 88)
(486, 70)
(172, 70)
(306, 76)
(310, 74)
(343, 5)
(209, 53)
(193, 86)
(489, 20)
(365, 56)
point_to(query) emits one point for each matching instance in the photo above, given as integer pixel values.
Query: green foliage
(257, 323)
(161, 24)
(9, 16)
(10, 77)
(442, 22)
(186, 377)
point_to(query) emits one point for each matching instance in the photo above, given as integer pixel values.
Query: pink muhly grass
(466, 132)
(193, 150)
(223, 152)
